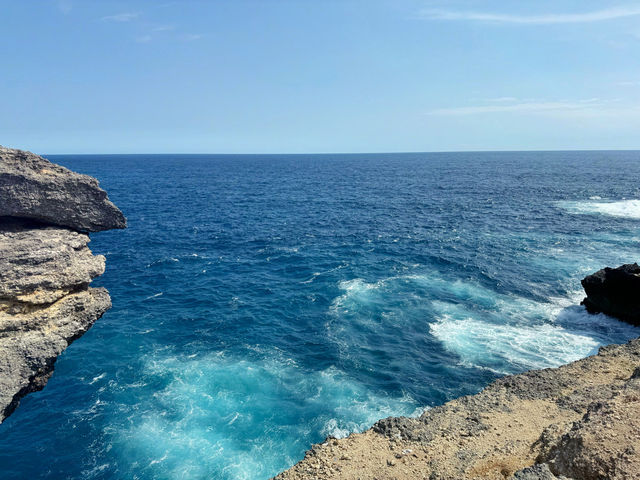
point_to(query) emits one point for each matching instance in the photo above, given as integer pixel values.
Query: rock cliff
(46, 267)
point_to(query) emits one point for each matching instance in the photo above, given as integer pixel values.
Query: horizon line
(362, 153)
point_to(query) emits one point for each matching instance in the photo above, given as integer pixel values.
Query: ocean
(264, 302)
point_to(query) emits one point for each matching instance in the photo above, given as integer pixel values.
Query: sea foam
(216, 415)
(622, 208)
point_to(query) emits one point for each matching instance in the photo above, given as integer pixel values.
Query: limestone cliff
(45, 267)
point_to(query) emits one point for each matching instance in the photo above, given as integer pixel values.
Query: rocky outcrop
(40, 264)
(614, 291)
(32, 187)
(605, 442)
(578, 421)
(45, 267)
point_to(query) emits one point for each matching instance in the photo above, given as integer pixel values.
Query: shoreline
(573, 421)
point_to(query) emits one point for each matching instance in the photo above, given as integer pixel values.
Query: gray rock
(45, 267)
(32, 187)
(41, 265)
(605, 443)
(31, 341)
(536, 472)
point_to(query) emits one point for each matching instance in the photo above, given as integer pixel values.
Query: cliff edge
(46, 212)
(579, 421)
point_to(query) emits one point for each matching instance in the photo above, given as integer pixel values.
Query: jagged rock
(45, 267)
(41, 264)
(31, 341)
(536, 472)
(32, 187)
(614, 291)
(605, 443)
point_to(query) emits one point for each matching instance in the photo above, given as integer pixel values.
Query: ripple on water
(261, 303)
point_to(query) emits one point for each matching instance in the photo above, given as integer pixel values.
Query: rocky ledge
(579, 421)
(46, 267)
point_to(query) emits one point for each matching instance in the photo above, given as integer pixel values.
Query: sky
(303, 76)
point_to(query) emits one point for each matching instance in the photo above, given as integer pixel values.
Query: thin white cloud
(144, 39)
(502, 99)
(163, 28)
(189, 37)
(122, 17)
(586, 106)
(545, 19)
(65, 6)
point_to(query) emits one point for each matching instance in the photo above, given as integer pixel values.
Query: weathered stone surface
(45, 267)
(537, 472)
(605, 443)
(41, 264)
(30, 342)
(32, 187)
(579, 421)
(614, 291)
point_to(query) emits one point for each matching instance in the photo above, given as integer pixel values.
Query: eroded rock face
(614, 291)
(45, 267)
(41, 264)
(579, 421)
(605, 442)
(31, 341)
(32, 187)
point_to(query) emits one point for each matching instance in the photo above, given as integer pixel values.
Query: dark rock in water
(615, 292)
(32, 187)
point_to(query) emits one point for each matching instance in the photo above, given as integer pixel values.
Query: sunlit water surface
(261, 303)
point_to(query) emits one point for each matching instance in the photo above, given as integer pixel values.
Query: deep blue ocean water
(261, 303)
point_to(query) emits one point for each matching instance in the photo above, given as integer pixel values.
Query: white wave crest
(502, 332)
(621, 209)
(565, 334)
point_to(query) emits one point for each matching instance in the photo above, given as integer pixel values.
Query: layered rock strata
(579, 421)
(45, 267)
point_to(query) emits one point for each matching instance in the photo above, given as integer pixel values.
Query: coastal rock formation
(614, 291)
(40, 264)
(578, 421)
(33, 187)
(45, 267)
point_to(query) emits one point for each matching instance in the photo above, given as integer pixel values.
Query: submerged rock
(33, 187)
(615, 292)
(45, 267)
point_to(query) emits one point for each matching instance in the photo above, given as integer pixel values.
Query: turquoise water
(261, 303)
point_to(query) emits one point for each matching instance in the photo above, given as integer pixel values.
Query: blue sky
(274, 76)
